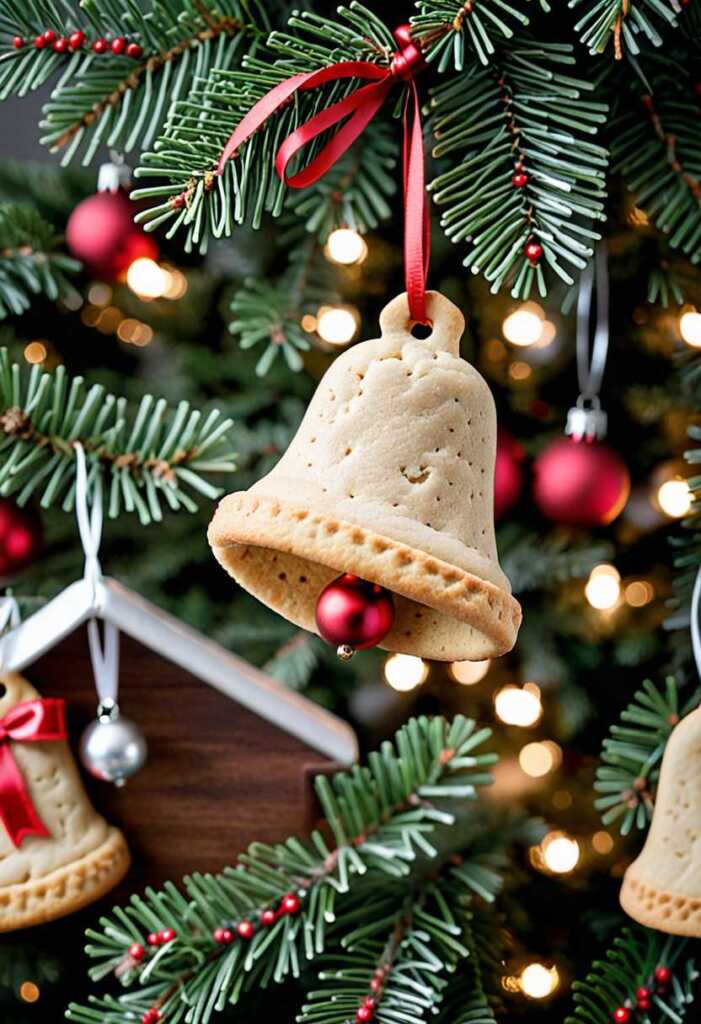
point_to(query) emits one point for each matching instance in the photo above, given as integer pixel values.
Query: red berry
(369, 1002)
(49, 36)
(643, 1004)
(177, 202)
(168, 934)
(218, 935)
(228, 937)
(40, 42)
(118, 45)
(76, 40)
(642, 993)
(364, 1014)
(245, 929)
(663, 975)
(519, 180)
(18, 42)
(290, 904)
(534, 252)
(621, 1015)
(134, 51)
(99, 46)
(268, 917)
(376, 984)
(61, 45)
(154, 939)
(136, 952)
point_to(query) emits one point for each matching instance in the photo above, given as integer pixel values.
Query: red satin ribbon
(33, 721)
(357, 110)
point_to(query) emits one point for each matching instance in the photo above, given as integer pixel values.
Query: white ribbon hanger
(104, 656)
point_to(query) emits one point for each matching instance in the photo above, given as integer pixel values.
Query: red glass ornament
(61, 45)
(508, 475)
(534, 252)
(245, 929)
(353, 612)
(76, 40)
(99, 46)
(519, 180)
(168, 934)
(621, 1015)
(267, 918)
(580, 484)
(18, 42)
(136, 952)
(49, 36)
(20, 536)
(663, 975)
(134, 51)
(290, 903)
(101, 233)
(118, 45)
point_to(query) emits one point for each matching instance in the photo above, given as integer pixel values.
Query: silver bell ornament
(112, 747)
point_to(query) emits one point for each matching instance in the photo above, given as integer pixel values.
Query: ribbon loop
(30, 722)
(353, 114)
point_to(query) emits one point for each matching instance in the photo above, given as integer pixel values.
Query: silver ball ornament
(112, 747)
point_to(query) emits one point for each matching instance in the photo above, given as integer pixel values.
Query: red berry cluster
(366, 1011)
(519, 179)
(245, 929)
(643, 997)
(152, 1016)
(77, 40)
(161, 938)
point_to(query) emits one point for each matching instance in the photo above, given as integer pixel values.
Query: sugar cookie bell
(390, 478)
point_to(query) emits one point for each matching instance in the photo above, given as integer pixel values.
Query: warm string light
(345, 246)
(638, 593)
(337, 325)
(468, 673)
(538, 981)
(526, 327)
(518, 706)
(603, 588)
(690, 328)
(674, 498)
(538, 759)
(150, 280)
(405, 672)
(557, 853)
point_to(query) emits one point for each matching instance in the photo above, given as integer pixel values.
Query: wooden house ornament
(232, 753)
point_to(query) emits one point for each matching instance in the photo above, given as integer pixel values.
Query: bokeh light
(346, 246)
(560, 853)
(469, 672)
(638, 593)
(674, 498)
(146, 279)
(336, 324)
(405, 672)
(538, 981)
(537, 759)
(29, 992)
(690, 328)
(524, 326)
(516, 706)
(603, 588)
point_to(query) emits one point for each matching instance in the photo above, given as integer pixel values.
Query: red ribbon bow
(30, 722)
(359, 109)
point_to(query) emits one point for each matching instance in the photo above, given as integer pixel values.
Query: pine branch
(632, 754)
(120, 99)
(558, 558)
(258, 921)
(629, 966)
(521, 118)
(204, 204)
(654, 145)
(451, 33)
(147, 460)
(30, 261)
(624, 22)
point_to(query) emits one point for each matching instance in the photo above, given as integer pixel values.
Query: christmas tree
(469, 870)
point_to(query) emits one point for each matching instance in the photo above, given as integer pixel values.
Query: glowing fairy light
(538, 981)
(560, 853)
(146, 279)
(674, 498)
(690, 328)
(603, 588)
(524, 326)
(516, 706)
(336, 324)
(469, 672)
(537, 759)
(346, 247)
(405, 672)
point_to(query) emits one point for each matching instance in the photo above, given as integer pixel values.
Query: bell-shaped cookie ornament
(390, 478)
(662, 887)
(56, 853)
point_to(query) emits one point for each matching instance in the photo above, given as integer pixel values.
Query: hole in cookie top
(422, 331)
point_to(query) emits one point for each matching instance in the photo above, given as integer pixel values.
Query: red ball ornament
(136, 952)
(76, 40)
(663, 975)
(580, 484)
(508, 475)
(353, 613)
(20, 537)
(101, 233)
(621, 1015)
(534, 252)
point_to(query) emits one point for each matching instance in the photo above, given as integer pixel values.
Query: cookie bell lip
(390, 477)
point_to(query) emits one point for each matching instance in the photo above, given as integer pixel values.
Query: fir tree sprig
(623, 23)
(631, 965)
(282, 905)
(148, 460)
(31, 261)
(517, 181)
(632, 754)
(450, 33)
